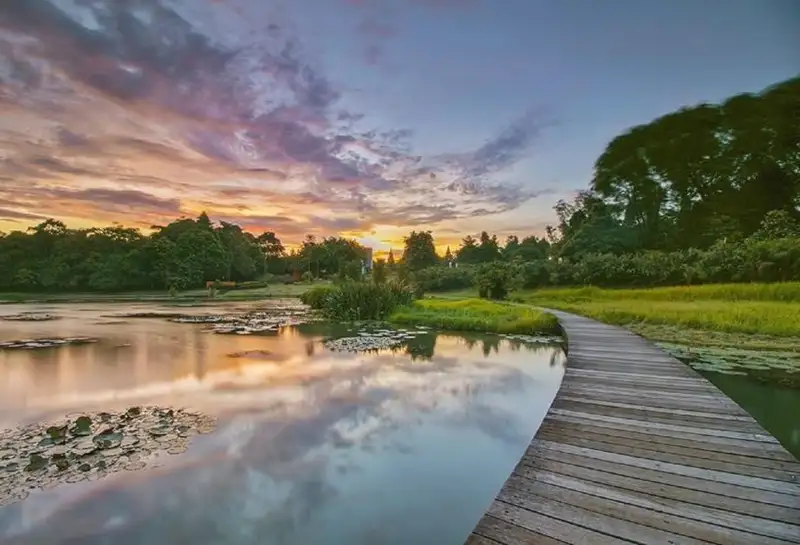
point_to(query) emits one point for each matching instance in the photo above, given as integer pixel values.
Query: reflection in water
(312, 446)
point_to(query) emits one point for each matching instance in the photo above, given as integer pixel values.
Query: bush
(317, 297)
(496, 280)
(307, 277)
(445, 278)
(352, 300)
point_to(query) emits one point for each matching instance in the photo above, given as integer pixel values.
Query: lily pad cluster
(92, 446)
(373, 340)
(738, 361)
(533, 339)
(49, 342)
(31, 317)
(280, 315)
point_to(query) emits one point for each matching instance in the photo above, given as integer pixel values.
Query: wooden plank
(638, 510)
(767, 448)
(693, 418)
(756, 514)
(537, 453)
(745, 450)
(755, 483)
(758, 437)
(554, 528)
(714, 459)
(639, 448)
(604, 520)
(657, 409)
(506, 533)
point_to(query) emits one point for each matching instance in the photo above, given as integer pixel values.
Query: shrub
(307, 277)
(445, 278)
(352, 300)
(496, 280)
(317, 297)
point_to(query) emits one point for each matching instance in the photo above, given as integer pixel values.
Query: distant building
(366, 264)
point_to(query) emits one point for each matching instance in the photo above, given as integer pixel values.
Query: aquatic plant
(779, 367)
(92, 446)
(49, 342)
(351, 300)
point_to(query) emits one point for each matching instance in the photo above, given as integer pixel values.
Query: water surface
(312, 446)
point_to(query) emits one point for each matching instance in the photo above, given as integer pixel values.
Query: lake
(311, 445)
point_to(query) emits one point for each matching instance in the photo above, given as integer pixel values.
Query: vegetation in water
(476, 315)
(776, 367)
(92, 446)
(353, 300)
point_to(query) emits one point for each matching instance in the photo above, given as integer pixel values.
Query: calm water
(312, 446)
(776, 409)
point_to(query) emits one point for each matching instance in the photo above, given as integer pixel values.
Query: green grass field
(764, 309)
(476, 315)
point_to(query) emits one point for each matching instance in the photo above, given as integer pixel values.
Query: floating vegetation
(779, 367)
(279, 315)
(533, 339)
(50, 342)
(373, 339)
(92, 446)
(30, 317)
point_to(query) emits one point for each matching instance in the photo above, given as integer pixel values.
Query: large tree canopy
(707, 172)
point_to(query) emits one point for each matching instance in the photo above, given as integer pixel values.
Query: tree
(468, 253)
(419, 251)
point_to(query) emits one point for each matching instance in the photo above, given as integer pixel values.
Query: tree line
(709, 193)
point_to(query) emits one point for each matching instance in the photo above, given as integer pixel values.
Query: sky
(362, 118)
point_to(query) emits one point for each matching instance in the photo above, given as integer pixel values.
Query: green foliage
(420, 251)
(350, 271)
(317, 297)
(307, 277)
(182, 255)
(441, 278)
(352, 301)
(476, 315)
(496, 280)
(702, 173)
(379, 271)
(330, 257)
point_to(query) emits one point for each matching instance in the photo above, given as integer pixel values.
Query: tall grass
(786, 292)
(351, 300)
(768, 309)
(476, 315)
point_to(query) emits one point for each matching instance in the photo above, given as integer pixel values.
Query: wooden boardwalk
(638, 448)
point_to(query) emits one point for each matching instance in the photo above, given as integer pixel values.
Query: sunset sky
(365, 118)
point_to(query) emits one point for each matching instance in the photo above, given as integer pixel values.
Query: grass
(199, 295)
(761, 309)
(476, 315)
(788, 292)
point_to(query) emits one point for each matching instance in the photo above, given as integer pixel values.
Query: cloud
(137, 112)
(13, 215)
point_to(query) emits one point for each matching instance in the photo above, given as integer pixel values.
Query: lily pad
(82, 427)
(107, 439)
(36, 463)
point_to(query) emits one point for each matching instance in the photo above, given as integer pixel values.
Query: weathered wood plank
(602, 520)
(704, 459)
(639, 448)
(659, 518)
(506, 533)
(625, 480)
(539, 455)
(693, 418)
(748, 453)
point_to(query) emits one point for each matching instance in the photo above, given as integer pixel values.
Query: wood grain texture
(638, 448)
